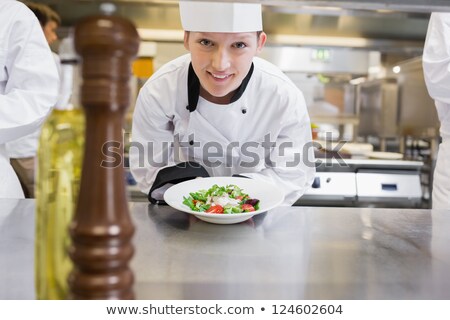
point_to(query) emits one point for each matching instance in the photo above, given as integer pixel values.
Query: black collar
(193, 85)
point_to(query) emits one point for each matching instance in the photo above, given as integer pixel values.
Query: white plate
(268, 194)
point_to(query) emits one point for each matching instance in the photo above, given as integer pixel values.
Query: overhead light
(323, 8)
(396, 69)
(384, 11)
(308, 10)
(357, 81)
(374, 69)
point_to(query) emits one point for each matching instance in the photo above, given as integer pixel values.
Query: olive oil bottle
(60, 155)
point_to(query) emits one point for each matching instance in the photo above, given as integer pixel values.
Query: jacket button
(187, 107)
(244, 111)
(191, 142)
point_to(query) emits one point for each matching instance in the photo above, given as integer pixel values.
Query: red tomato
(216, 209)
(239, 198)
(248, 207)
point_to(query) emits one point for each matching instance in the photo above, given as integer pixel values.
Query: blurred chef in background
(28, 84)
(217, 100)
(48, 18)
(436, 66)
(22, 152)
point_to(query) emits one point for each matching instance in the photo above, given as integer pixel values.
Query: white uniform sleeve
(30, 80)
(150, 124)
(436, 57)
(152, 159)
(293, 156)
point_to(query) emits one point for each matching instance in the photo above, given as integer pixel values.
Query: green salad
(228, 199)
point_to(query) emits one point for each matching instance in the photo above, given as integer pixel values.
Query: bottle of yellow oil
(60, 155)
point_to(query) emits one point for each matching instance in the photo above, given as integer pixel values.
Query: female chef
(28, 83)
(221, 111)
(436, 66)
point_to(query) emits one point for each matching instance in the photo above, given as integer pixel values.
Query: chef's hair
(44, 13)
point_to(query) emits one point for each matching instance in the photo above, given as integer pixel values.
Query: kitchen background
(358, 64)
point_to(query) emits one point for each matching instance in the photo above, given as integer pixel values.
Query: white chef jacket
(436, 66)
(28, 83)
(233, 139)
(26, 147)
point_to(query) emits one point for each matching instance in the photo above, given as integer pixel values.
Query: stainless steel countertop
(286, 253)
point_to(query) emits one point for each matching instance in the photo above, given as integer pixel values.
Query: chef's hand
(158, 194)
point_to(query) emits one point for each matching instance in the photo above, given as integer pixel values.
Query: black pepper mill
(101, 230)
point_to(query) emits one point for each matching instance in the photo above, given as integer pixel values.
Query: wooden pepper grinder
(101, 230)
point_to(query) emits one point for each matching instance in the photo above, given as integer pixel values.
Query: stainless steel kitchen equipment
(331, 188)
(397, 106)
(365, 183)
(417, 116)
(377, 106)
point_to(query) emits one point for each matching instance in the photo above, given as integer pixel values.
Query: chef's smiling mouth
(220, 76)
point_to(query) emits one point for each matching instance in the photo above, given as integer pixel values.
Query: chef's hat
(220, 16)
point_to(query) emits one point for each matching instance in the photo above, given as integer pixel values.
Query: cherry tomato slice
(215, 209)
(248, 207)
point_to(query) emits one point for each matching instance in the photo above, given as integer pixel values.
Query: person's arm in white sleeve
(436, 57)
(293, 160)
(31, 85)
(151, 152)
(147, 156)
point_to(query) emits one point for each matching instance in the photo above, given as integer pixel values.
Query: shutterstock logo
(249, 154)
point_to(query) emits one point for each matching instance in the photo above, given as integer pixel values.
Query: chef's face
(50, 31)
(222, 60)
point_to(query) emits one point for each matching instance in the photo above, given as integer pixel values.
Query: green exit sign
(323, 55)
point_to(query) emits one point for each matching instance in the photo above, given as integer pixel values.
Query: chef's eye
(240, 45)
(206, 42)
